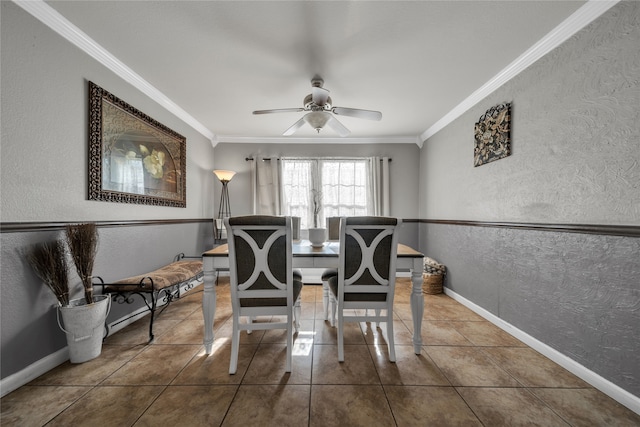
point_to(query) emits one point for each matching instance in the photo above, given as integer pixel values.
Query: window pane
(344, 183)
(344, 186)
(296, 189)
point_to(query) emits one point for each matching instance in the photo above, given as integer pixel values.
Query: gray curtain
(380, 185)
(265, 186)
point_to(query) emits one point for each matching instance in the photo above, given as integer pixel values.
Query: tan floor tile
(450, 311)
(533, 369)
(409, 368)
(138, 332)
(18, 406)
(180, 309)
(270, 405)
(226, 331)
(109, 406)
(185, 332)
(378, 335)
(156, 365)
(189, 406)
(213, 369)
(326, 334)
(357, 368)
(441, 332)
(509, 407)
(269, 362)
(403, 311)
(486, 334)
(469, 366)
(349, 405)
(93, 371)
(429, 406)
(308, 293)
(587, 407)
(280, 335)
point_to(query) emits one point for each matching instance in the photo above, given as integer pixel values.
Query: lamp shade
(224, 175)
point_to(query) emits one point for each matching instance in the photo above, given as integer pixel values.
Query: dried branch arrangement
(82, 240)
(49, 261)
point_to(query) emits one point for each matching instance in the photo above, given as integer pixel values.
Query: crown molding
(311, 140)
(58, 23)
(574, 23)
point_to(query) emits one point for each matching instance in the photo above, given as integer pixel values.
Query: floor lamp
(224, 211)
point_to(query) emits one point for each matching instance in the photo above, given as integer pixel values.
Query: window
(345, 186)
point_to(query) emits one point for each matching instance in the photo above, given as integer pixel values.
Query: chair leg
(289, 346)
(250, 320)
(378, 311)
(325, 299)
(235, 346)
(297, 313)
(390, 340)
(334, 303)
(340, 334)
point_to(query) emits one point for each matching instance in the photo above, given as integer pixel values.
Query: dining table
(307, 256)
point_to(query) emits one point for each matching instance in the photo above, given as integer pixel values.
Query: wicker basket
(432, 283)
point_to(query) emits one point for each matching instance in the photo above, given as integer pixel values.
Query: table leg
(209, 307)
(417, 308)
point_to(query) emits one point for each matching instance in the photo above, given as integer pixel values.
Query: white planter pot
(317, 236)
(84, 326)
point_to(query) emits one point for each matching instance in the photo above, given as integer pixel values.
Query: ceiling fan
(319, 107)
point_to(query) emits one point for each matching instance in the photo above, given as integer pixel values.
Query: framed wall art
(132, 157)
(492, 134)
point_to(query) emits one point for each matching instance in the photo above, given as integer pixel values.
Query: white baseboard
(33, 371)
(47, 363)
(607, 387)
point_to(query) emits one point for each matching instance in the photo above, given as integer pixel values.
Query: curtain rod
(264, 159)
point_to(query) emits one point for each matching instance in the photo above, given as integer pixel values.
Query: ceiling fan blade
(334, 124)
(355, 112)
(280, 110)
(297, 125)
(319, 95)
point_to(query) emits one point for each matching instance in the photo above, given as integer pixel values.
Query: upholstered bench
(163, 284)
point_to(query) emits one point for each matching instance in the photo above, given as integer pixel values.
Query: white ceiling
(415, 61)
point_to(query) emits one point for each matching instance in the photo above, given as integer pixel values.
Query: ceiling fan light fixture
(317, 119)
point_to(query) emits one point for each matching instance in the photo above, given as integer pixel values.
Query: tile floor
(468, 373)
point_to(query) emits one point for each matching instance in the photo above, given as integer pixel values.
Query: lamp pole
(224, 210)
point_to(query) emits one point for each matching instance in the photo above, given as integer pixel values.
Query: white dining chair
(262, 279)
(366, 274)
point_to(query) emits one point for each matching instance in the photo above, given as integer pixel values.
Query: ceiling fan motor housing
(312, 106)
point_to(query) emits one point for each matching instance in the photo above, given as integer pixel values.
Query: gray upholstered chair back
(260, 259)
(369, 247)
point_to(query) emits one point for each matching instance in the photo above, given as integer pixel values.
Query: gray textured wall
(44, 179)
(575, 138)
(577, 293)
(576, 160)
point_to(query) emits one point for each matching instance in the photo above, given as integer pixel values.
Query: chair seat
(273, 302)
(328, 273)
(351, 296)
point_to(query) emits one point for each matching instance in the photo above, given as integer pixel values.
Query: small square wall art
(492, 134)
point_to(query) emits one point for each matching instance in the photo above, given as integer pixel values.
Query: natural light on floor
(303, 343)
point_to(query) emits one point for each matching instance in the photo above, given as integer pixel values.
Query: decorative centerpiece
(317, 235)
